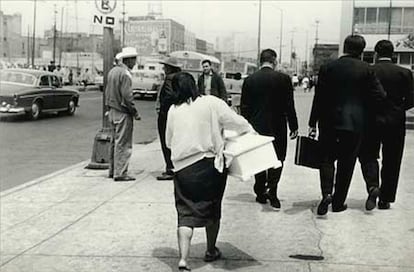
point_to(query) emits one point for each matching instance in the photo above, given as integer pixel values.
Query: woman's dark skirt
(199, 190)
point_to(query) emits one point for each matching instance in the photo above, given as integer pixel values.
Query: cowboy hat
(171, 61)
(127, 52)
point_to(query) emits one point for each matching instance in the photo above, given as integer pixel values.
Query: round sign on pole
(105, 6)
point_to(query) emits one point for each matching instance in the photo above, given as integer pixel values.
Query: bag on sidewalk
(307, 152)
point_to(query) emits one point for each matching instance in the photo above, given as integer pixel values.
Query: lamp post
(259, 33)
(281, 32)
(34, 34)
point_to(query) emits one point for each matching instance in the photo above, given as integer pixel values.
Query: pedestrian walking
(346, 88)
(86, 78)
(267, 103)
(194, 134)
(122, 110)
(210, 82)
(164, 101)
(70, 77)
(386, 131)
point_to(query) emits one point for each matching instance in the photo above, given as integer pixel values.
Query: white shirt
(194, 130)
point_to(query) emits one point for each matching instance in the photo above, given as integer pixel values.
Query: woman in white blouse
(194, 134)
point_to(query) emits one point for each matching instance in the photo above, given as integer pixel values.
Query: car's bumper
(144, 92)
(11, 110)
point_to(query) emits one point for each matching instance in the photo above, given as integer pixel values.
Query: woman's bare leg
(184, 235)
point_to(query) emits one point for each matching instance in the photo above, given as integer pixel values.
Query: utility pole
(259, 33)
(123, 23)
(28, 45)
(291, 47)
(77, 48)
(34, 33)
(54, 37)
(389, 20)
(316, 35)
(281, 35)
(306, 52)
(61, 36)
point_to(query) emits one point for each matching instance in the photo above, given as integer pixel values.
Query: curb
(41, 179)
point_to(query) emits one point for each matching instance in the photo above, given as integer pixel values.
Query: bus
(191, 62)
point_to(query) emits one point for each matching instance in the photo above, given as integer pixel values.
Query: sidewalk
(79, 220)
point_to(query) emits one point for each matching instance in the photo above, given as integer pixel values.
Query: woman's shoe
(184, 268)
(212, 257)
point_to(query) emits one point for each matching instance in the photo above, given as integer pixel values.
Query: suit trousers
(392, 140)
(162, 126)
(267, 180)
(343, 147)
(121, 142)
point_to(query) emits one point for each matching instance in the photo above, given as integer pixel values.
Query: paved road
(31, 149)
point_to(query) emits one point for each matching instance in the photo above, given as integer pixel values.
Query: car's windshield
(17, 77)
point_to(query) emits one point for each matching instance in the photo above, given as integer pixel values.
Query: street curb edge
(41, 179)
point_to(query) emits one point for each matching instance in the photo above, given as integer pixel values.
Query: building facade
(201, 46)
(10, 36)
(152, 36)
(376, 20)
(189, 41)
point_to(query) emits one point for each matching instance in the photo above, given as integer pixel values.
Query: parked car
(99, 82)
(146, 84)
(33, 91)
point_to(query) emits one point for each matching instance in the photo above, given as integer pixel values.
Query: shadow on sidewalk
(233, 258)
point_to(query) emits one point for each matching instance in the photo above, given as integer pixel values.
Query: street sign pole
(102, 141)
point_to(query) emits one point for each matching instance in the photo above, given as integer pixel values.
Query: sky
(207, 19)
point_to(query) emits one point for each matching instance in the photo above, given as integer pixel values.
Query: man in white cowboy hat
(165, 100)
(119, 100)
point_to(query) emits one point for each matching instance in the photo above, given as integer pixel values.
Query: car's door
(60, 97)
(46, 92)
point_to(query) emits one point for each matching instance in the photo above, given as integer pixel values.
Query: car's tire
(71, 107)
(35, 110)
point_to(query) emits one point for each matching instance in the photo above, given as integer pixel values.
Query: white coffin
(250, 154)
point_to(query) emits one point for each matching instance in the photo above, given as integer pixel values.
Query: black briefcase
(307, 152)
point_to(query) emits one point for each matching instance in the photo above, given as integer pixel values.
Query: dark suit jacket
(166, 96)
(398, 84)
(347, 89)
(267, 103)
(217, 86)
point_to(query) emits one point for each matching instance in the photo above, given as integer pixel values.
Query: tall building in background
(201, 46)
(189, 41)
(376, 20)
(10, 36)
(151, 36)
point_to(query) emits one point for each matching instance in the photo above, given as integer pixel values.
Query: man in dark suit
(346, 87)
(210, 82)
(267, 103)
(386, 129)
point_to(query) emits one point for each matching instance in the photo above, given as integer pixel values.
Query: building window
(405, 58)
(408, 21)
(396, 20)
(377, 20)
(383, 19)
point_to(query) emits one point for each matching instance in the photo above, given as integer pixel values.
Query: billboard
(148, 37)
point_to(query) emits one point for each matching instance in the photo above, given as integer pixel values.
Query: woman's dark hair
(354, 45)
(184, 88)
(384, 48)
